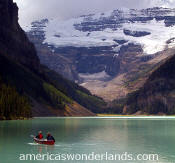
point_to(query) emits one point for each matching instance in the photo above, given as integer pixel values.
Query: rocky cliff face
(13, 41)
(106, 52)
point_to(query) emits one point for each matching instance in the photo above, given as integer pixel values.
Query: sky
(30, 10)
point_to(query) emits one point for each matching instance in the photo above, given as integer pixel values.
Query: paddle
(32, 136)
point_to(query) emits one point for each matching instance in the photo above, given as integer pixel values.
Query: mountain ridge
(100, 51)
(12, 37)
(28, 87)
(156, 96)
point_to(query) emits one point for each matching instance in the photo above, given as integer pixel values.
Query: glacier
(70, 34)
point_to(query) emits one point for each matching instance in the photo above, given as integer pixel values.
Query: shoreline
(132, 115)
(99, 116)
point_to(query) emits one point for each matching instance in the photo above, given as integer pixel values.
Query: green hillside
(46, 87)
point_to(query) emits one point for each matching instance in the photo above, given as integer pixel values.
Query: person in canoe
(50, 137)
(40, 135)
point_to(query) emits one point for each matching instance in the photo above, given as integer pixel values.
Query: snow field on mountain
(69, 36)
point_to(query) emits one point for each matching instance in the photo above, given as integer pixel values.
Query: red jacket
(39, 136)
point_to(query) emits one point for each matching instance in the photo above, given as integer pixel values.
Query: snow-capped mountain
(101, 46)
(151, 28)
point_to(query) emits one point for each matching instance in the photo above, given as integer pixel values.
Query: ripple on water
(33, 144)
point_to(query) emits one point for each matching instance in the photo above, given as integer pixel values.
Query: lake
(102, 138)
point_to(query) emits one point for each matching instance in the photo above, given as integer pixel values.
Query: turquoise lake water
(109, 136)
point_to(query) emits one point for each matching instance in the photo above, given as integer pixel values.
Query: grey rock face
(71, 60)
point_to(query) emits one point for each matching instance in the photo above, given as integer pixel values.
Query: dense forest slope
(26, 87)
(158, 93)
